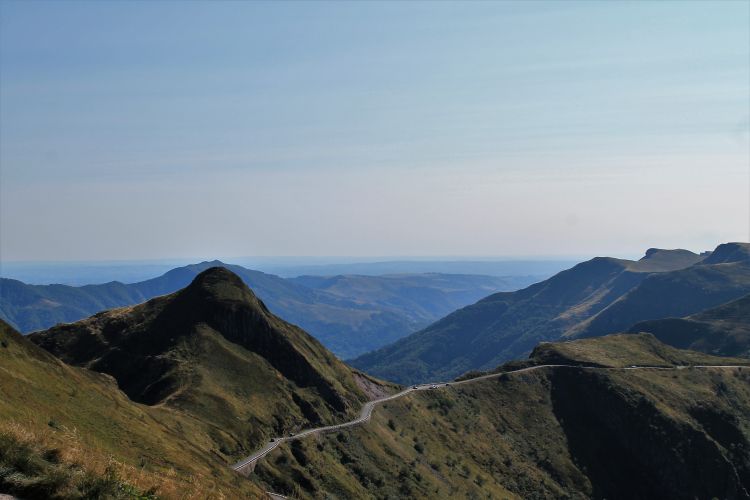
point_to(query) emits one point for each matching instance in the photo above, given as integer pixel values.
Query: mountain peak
(217, 284)
(215, 275)
(153, 349)
(729, 252)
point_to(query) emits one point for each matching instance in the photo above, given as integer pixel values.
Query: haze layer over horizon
(134, 130)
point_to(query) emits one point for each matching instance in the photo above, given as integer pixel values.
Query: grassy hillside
(217, 374)
(623, 350)
(505, 326)
(349, 314)
(551, 433)
(214, 352)
(724, 330)
(70, 433)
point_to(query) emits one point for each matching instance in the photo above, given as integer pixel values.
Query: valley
(231, 385)
(537, 449)
(374, 250)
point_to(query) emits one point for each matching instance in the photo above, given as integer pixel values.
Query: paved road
(366, 412)
(275, 496)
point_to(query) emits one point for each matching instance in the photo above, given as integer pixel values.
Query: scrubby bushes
(31, 471)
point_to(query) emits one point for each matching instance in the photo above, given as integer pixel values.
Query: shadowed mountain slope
(214, 351)
(504, 326)
(729, 253)
(723, 330)
(723, 276)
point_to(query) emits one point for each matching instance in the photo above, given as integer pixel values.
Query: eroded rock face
(628, 448)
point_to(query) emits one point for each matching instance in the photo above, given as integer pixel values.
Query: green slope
(505, 326)
(65, 430)
(624, 350)
(220, 374)
(550, 433)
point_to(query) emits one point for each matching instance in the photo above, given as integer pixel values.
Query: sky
(147, 130)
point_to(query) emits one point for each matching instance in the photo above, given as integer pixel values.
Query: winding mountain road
(249, 463)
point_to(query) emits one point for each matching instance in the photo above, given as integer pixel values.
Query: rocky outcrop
(629, 448)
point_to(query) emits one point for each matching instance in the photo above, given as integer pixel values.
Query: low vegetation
(623, 350)
(211, 375)
(548, 433)
(75, 425)
(36, 465)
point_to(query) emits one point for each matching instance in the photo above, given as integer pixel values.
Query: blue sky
(198, 129)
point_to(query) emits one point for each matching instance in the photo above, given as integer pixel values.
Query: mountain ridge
(592, 298)
(681, 292)
(727, 253)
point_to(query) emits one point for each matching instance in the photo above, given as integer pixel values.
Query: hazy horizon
(152, 130)
(130, 271)
(79, 273)
(333, 259)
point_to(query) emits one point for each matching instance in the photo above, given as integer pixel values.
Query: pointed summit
(221, 284)
(217, 274)
(214, 333)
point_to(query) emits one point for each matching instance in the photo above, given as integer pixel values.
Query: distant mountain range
(349, 314)
(486, 267)
(594, 298)
(79, 273)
